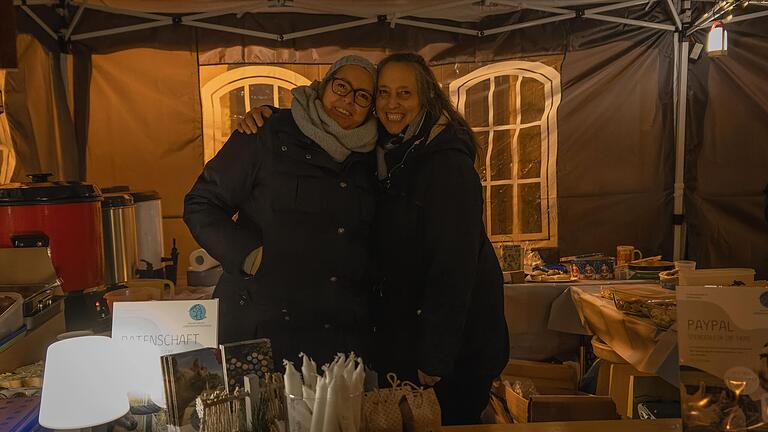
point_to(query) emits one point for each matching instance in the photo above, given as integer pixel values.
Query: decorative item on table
(551, 273)
(24, 381)
(647, 301)
(246, 358)
(590, 266)
(220, 411)
(627, 254)
(265, 409)
(510, 257)
(186, 376)
(402, 407)
(328, 402)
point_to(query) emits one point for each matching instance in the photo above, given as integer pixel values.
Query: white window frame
(212, 91)
(548, 126)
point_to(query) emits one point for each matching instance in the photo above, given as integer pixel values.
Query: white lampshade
(141, 362)
(717, 40)
(83, 384)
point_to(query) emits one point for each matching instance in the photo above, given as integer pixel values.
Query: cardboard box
(560, 407)
(558, 398)
(550, 378)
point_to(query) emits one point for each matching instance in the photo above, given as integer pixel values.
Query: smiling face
(397, 97)
(343, 109)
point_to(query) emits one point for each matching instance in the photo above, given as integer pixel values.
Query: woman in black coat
(296, 254)
(440, 318)
(440, 303)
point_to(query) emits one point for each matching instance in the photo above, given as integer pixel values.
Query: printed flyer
(723, 346)
(172, 326)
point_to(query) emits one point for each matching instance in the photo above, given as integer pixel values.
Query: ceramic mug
(627, 254)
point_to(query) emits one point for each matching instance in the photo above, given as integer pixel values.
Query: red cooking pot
(66, 216)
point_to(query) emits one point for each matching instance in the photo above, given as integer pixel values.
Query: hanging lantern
(717, 40)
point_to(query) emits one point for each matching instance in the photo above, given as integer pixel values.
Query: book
(250, 357)
(187, 375)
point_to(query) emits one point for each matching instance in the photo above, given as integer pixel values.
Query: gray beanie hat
(351, 60)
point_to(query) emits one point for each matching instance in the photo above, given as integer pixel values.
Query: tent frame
(680, 26)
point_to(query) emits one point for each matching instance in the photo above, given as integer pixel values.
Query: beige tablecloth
(581, 310)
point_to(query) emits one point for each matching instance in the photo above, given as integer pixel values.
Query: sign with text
(723, 346)
(172, 326)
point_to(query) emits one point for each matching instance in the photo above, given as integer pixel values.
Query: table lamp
(83, 386)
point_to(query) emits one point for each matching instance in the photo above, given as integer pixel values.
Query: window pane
(501, 155)
(284, 97)
(482, 151)
(232, 109)
(529, 196)
(531, 100)
(504, 104)
(501, 209)
(529, 153)
(261, 94)
(476, 107)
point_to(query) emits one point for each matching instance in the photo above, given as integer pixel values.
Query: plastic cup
(685, 265)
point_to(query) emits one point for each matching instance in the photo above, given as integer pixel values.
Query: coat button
(242, 300)
(418, 311)
(284, 148)
(327, 326)
(308, 156)
(341, 230)
(343, 184)
(333, 279)
(287, 317)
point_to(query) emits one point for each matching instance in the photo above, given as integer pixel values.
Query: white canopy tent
(463, 18)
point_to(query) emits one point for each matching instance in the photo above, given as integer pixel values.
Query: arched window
(512, 107)
(230, 95)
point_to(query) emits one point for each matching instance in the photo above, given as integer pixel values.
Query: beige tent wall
(41, 127)
(145, 130)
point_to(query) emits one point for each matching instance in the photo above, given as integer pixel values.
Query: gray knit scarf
(307, 110)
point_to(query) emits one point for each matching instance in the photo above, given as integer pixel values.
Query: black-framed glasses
(342, 87)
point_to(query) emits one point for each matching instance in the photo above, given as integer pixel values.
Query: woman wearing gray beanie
(288, 213)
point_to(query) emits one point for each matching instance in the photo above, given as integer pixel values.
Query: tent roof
(464, 11)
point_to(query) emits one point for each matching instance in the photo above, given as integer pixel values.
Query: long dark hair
(431, 96)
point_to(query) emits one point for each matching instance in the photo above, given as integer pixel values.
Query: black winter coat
(313, 217)
(441, 306)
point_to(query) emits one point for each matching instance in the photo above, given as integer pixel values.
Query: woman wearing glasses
(288, 213)
(441, 302)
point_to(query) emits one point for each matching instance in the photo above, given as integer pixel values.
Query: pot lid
(138, 196)
(143, 196)
(40, 190)
(117, 200)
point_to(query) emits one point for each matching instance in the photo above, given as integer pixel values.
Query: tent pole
(431, 26)
(529, 24)
(40, 22)
(534, 6)
(611, 7)
(75, 20)
(659, 26)
(232, 30)
(330, 28)
(675, 15)
(749, 16)
(125, 29)
(679, 189)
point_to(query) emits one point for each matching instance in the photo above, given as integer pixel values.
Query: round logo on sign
(197, 312)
